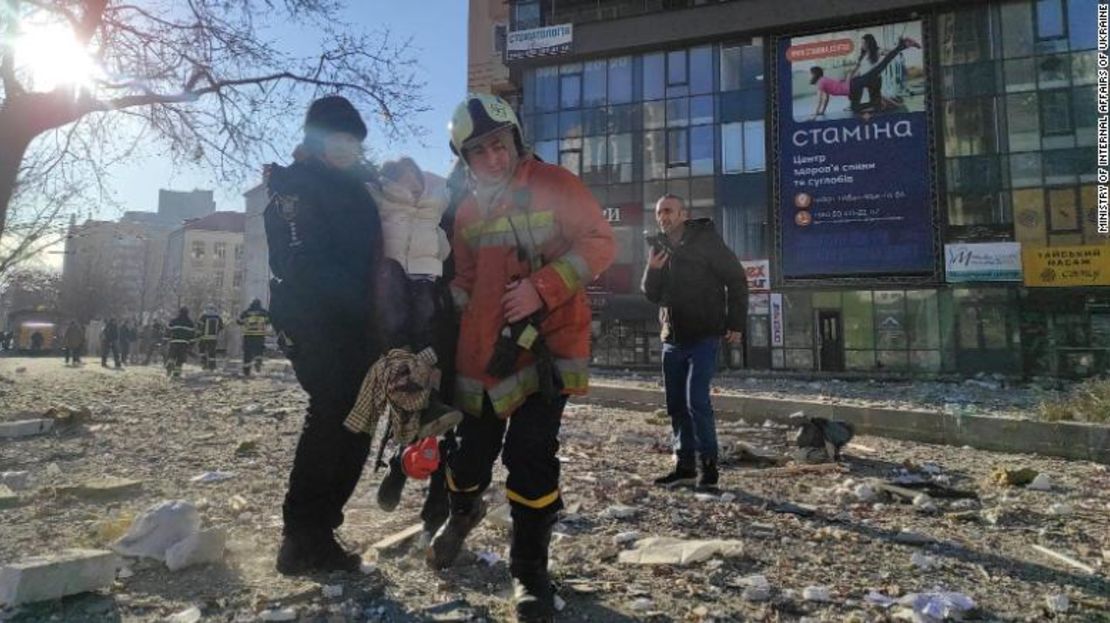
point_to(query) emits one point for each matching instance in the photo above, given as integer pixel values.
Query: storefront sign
(1063, 267)
(855, 180)
(546, 41)
(759, 304)
(989, 261)
(776, 320)
(759, 275)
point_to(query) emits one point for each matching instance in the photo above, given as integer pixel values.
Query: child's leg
(393, 296)
(422, 310)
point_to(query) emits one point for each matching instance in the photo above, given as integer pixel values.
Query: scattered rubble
(42, 578)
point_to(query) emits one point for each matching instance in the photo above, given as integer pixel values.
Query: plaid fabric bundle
(399, 382)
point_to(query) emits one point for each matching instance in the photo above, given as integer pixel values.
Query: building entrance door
(832, 340)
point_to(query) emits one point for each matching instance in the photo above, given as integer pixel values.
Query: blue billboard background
(855, 182)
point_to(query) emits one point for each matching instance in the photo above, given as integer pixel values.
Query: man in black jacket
(325, 242)
(702, 292)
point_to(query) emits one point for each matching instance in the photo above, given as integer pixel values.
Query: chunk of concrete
(25, 428)
(158, 529)
(8, 499)
(672, 551)
(16, 481)
(100, 489)
(201, 548)
(42, 578)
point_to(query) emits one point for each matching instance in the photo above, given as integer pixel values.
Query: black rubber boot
(389, 492)
(709, 474)
(685, 474)
(467, 511)
(533, 597)
(314, 553)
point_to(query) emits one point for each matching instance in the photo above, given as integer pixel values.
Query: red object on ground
(421, 458)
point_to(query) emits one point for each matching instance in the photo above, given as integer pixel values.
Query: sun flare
(51, 57)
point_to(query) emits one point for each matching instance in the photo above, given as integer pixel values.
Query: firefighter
(527, 242)
(254, 320)
(181, 331)
(325, 241)
(209, 326)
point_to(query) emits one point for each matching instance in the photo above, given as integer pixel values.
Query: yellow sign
(1064, 267)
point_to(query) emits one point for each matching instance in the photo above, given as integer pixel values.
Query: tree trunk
(13, 146)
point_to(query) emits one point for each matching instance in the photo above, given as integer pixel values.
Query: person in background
(109, 343)
(702, 293)
(209, 327)
(73, 342)
(254, 321)
(182, 332)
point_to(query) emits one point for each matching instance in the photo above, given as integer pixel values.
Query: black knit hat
(334, 113)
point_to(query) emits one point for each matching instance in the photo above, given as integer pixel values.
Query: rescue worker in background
(325, 241)
(527, 242)
(209, 326)
(182, 330)
(254, 321)
(109, 343)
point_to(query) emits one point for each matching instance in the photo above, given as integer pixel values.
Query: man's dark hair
(677, 198)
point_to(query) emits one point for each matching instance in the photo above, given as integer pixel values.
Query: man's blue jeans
(687, 372)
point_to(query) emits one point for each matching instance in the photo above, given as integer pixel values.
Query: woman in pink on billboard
(854, 84)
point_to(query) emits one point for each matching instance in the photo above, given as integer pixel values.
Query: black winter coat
(702, 290)
(325, 242)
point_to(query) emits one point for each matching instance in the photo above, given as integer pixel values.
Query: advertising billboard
(546, 41)
(985, 261)
(1066, 267)
(855, 190)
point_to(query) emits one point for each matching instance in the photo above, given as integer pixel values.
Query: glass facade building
(1012, 118)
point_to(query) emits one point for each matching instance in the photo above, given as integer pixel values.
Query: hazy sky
(438, 31)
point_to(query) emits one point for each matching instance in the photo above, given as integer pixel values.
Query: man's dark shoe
(448, 542)
(304, 553)
(389, 492)
(709, 474)
(683, 475)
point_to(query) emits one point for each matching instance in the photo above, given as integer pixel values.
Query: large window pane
(701, 70)
(701, 110)
(655, 114)
(1029, 219)
(992, 320)
(732, 148)
(1050, 19)
(624, 118)
(859, 325)
(1025, 170)
(969, 127)
(1083, 24)
(969, 80)
(655, 156)
(890, 320)
(1023, 122)
(654, 79)
(731, 58)
(1054, 71)
(547, 89)
(620, 80)
(924, 319)
(964, 36)
(754, 148)
(1017, 29)
(593, 83)
(798, 317)
(1020, 75)
(702, 192)
(975, 174)
(570, 91)
(1056, 113)
(678, 153)
(595, 121)
(678, 112)
(620, 158)
(676, 68)
(977, 208)
(593, 160)
(547, 126)
(1084, 68)
(548, 151)
(570, 124)
(1085, 115)
(751, 71)
(701, 150)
